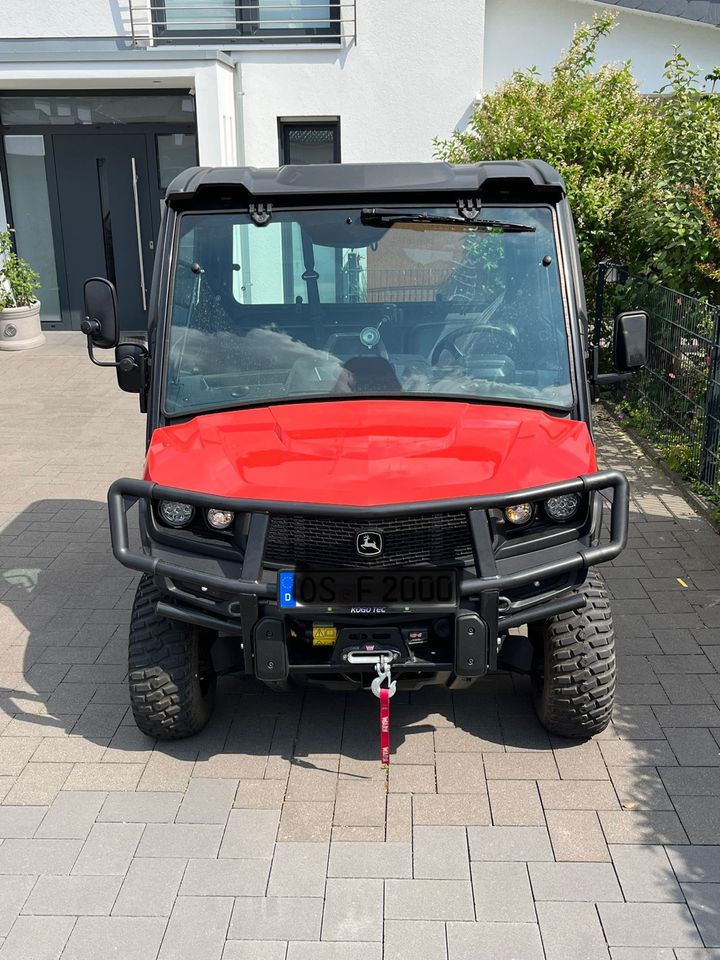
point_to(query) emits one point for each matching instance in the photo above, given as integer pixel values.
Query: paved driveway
(271, 835)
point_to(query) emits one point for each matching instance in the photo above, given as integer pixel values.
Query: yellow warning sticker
(324, 635)
(681, 582)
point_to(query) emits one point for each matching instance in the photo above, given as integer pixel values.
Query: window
(309, 141)
(71, 110)
(177, 21)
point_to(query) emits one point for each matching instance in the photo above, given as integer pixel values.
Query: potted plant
(19, 308)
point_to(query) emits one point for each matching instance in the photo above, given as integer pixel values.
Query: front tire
(574, 669)
(172, 685)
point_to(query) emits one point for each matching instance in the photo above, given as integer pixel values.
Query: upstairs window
(263, 21)
(309, 141)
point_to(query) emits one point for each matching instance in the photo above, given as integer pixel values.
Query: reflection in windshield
(318, 303)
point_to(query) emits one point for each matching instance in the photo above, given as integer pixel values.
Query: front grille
(325, 542)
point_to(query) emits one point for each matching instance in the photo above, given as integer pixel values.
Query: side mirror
(630, 340)
(101, 316)
(131, 367)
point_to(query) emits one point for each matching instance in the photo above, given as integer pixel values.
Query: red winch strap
(384, 726)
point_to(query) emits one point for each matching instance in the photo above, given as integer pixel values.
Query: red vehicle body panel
(369, 452)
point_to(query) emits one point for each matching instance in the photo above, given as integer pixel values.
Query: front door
(104, 200)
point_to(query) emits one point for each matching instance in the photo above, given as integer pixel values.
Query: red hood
(369, 452)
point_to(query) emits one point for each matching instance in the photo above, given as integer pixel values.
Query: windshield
(336, 303)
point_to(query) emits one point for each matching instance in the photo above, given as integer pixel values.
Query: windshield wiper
(374, 217)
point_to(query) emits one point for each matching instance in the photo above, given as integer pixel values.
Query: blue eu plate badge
(286, 588)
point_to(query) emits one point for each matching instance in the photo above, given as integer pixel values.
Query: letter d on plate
(286, 589)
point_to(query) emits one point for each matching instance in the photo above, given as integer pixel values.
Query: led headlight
(519, 514)
(176, 514)
(219, 519)
(562, 508)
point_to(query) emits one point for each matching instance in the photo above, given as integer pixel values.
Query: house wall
(64, 18)
(522, 33)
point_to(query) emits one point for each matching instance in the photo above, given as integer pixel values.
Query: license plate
(367, 592)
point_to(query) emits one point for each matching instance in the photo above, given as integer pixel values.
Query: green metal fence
(676, 398)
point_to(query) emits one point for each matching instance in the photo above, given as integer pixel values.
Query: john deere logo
(369, 543)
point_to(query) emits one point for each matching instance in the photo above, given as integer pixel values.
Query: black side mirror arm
(91, 328)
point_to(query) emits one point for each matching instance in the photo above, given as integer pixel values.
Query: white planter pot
(20, 327)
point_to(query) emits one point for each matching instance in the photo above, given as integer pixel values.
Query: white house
(103, 101)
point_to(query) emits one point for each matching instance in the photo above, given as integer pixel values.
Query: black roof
(702, 11)
(312, 180)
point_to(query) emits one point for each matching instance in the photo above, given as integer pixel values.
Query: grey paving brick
(109, 849)
(494, 941)
(71, 815)
(644, 953)
(450, 809)
(688, 715)
(704, 902)
(13, 893)
(412, 778)
(694, 747)
(578, 795)
(429, 900)
(509, 843)
(72, 896)
(685, 689)
(207, 801)
(576, 835)
(334, 951)
(38, 856)
(440, 853)
(298, 866)
(636, 722)
(648, 925)
(516, 803)
(181, 840)
(359, 859)
(138, 938)
(502, 892)
(691, 954)
(563, 940)
(142, 807)
(353, 910)
(695, 864)
(410, 939)
(229, 878)
(574, 882)
(642, 826)
(459, 773)
(276, 918)
(37, 938)
(640, 788)
(645, 874)
(360, 804)
(255, 950)
(260, 794)
(104, 776)
(197, 928)
(250, 834)
(304, 820)
(520, 766)
(39, 783)
(649, 753)
(579, 761)
(150, 887)
(18, 823)
(700, 817)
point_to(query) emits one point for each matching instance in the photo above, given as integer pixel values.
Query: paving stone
(411, 939)
(574, 882)
(563, 940)
(440, 853)
(703, 900)
(455, 740)
(37, 938)
(398, 823)
(72, 896)
(260, 794)
(509, 843)
(459, 773)
(306, 821)
(17, 823)
(380, 860)
(185, 840)
(648, 925)
(695, 864)
(13, 893)
(109, 849)
(429, 900)
(298, 866)
(576, 835)
(276, 918)
(688, 715)
(71, 749)
(515, 803)
(142, 807)
(451, 809)
(38, 856)
(645, 874)
(578, 795)
(641, 826)
(94, 937)
(150, 887)
(360, 804)
(353, 910)
(39, 783)
(579, 761)
(520, 766)
(71, 815)
(640, 788)
(412, 778)
(645, 953)
(636, 722)
(694, 747)
(334, 951)
(207, 801)
(617, 753)
(197, 928)
(494, 941)
(690, 954)
(700, 817)
(502, 892)
(685, 689)
(104, 776)
(256, 950)
(250, 834)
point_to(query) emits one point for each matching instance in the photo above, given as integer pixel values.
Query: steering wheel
(494, 340)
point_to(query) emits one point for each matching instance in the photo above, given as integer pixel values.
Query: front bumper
(481, 594)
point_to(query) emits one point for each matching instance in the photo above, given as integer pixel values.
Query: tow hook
(383, 687)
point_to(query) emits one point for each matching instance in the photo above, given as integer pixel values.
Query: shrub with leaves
(18, 281)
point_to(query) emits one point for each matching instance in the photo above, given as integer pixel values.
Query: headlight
(219, 519)
(519, 514)
(562, 508)
(176, 514)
